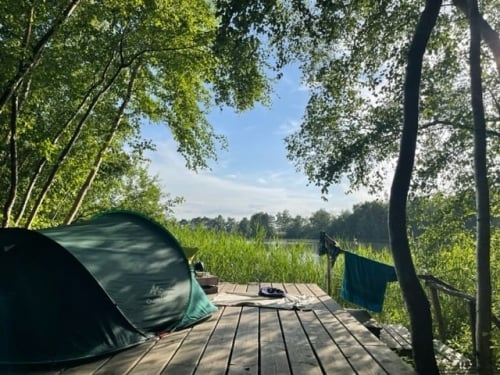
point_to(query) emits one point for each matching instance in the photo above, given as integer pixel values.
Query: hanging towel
(365, 281)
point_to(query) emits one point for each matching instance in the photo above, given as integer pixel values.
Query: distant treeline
(433, 220)
(367, 222)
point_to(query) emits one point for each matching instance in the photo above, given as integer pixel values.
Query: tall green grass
(234, 258)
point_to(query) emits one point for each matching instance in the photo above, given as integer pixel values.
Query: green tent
(92, 288)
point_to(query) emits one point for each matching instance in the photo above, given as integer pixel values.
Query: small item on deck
(199, 266)
(208, 282)
(268, 291)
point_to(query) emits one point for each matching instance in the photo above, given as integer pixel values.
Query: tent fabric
(92, 288)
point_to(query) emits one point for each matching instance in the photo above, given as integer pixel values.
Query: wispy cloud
(253, 175)
(288, 127)
(208, 194)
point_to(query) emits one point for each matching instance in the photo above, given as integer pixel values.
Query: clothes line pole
(328, 247)
(328, 274)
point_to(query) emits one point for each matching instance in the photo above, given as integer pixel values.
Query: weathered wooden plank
(253, 340)
(207, 280)
(377, 349)
(450, 360)
(357, 329)
(156, 359)
(305, 290)
(87, 368)
(186, 358)
(330, 356)
(301, 357)
(215, 359)
(390, 361)
(245, 355)
(226, 287)
(28, 370)
(387, 339)
(396, 337)
(291, 289)
(327, 301)
(277, 285)
(122, 362)
(357, 355)
(240, 288)
(273, 356)
(253, 288)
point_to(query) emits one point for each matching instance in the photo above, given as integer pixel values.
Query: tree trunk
(16, 102)
(11, 197)
(67, 149)
(43, 161)
(414, 295)
(488, 34)
(483, 294)
(98, 160)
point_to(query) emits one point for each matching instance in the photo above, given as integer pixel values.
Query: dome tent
(92, 288)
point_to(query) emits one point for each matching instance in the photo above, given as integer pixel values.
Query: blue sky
(253, 175)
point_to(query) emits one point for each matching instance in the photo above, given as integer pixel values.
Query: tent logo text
(160, 295)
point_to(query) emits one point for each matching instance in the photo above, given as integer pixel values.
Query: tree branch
(490, 36)
(489, 132)
(36, 55)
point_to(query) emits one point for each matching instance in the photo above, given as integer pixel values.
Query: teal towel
(365, 281)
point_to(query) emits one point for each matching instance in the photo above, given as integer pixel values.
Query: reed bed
(234, 258)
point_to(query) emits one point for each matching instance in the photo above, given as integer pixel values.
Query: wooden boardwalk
(254, 340)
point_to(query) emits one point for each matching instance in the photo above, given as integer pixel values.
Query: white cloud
(207, 194)
(253, 175)
(262, 181)
(288, 127)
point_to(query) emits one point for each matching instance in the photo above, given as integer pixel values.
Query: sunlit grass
(236, 259)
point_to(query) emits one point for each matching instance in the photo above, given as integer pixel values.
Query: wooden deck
(255, 340)
(398, 338)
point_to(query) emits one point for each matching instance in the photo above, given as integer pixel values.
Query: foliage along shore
(234, 258)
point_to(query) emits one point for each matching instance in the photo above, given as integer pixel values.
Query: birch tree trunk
(43, 161)
(67, 149)
(27, 65)
(99, 158)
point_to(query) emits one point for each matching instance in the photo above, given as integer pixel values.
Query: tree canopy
(353, 59)
(391, 80)
(78, 79)
(352, 122)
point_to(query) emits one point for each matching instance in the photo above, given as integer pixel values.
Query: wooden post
(324, 250)
(472, 320)
(328, 274)
(437, 312)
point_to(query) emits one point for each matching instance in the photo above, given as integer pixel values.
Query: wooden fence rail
(435, 284)
(329, 247)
